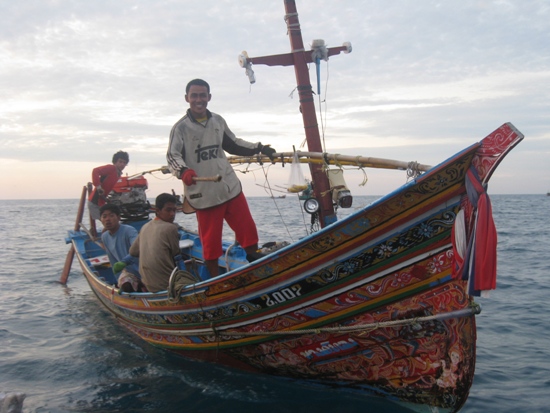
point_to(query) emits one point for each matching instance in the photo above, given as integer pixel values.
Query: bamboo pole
(163, 169)
(215, 178)
(70, 254)
(332, 159)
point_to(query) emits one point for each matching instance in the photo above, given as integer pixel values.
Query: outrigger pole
(70, 254)
(300, 58)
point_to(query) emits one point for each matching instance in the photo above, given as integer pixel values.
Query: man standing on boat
(104, 179)
(117, 239)
(197, 147)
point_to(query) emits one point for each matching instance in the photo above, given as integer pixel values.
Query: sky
(80, 80)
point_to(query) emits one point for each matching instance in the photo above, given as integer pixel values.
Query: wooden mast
(299, 58)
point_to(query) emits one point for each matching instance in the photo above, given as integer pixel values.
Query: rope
(303, 214)
(179, 279)
(324, 122)
(474, 309)
(365, 177)
(322, 119)
(275, 203)
(413, 170)
(291, 26)
(227, 266)
(336, 162)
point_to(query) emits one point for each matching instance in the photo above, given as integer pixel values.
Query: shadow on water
(124, 374)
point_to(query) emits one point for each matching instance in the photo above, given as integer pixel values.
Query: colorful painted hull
(368, 303)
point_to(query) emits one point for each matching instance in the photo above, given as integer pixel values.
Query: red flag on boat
(476, 259)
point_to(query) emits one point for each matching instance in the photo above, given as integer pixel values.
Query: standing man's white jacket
(202, 148)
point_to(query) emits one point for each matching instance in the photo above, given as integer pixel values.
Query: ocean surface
(67, 354)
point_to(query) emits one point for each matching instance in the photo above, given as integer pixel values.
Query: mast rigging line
(274, 202)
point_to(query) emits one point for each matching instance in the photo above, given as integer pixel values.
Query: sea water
(68, 354)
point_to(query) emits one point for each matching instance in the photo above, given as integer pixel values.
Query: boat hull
(369, 303)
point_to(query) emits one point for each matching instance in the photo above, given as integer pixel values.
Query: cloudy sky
(82, 79)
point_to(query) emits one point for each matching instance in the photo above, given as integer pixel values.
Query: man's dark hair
(110, 207)
(197, 82)
(121, 155)
(163, 199)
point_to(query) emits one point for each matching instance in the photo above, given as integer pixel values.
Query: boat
(380, 302)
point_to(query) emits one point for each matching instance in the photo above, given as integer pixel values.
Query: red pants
(237, 215)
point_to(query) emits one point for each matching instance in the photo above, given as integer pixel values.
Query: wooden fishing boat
(380, 302)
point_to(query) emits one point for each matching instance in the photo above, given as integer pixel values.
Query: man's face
(198, 98)
(168, 212)
(120, 164)
(110, 221)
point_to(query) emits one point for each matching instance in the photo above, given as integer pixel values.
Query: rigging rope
(275, 203)
(413, 170)
(472, 310)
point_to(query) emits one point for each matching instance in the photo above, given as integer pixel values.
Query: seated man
(104, 178)
(117, 239)
(157, 245)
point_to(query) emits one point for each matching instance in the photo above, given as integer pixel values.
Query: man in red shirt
(104, 179)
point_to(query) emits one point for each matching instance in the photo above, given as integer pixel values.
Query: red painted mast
(300, 59)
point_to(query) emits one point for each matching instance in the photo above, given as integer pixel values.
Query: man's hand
(100, 190)
(187, 177)
(268, 151)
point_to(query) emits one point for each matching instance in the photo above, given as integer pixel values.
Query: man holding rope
(197, 147)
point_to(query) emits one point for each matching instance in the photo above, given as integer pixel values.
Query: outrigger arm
(300, 58)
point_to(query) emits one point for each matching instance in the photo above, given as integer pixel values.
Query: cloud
(81, 80)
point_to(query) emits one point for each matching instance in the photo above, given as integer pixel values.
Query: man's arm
(106, 245)
(129, 259)
(174, 240)
(101, 171)
(176, 152)
(131, 234)
(236, 146)
(134, 248)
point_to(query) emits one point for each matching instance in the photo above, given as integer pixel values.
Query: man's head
(165, 205)
(110, 217)
(120, 160)
(197, 82)
(197, 94)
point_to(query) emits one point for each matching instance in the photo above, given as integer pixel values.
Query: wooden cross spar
(300, 58)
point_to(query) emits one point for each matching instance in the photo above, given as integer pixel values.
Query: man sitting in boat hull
(157, 245)
(117, 239)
